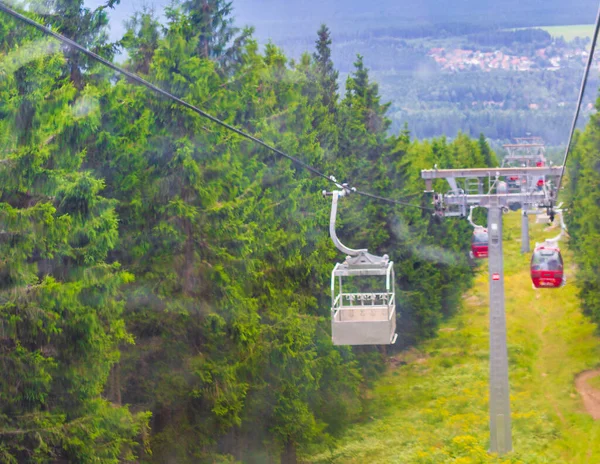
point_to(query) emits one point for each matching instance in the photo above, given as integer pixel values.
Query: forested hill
(445, 66)
(280, 20)
(164, 284)
(583, 215)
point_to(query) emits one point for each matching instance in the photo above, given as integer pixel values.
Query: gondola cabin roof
(546, 250)
(342, 269)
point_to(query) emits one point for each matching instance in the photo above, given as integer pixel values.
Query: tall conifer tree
(211, 25)
(60, 298)
(141, 40)
(326, 72)
(485, 150)
(83, 25)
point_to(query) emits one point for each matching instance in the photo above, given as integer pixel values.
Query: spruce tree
(363, 96)
(583, 213)
(141, 40)
(211, 26)
(486, 151)
(326, 73)
(128, 219)
(85, 26)
(61, 300)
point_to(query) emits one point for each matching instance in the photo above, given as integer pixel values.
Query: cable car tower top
(458, 199)
(526, 151)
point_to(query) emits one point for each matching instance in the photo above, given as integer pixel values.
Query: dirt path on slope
(590, 395)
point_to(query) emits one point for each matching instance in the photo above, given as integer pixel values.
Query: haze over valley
(444, 66)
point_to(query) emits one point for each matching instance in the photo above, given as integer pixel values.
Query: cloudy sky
(263, 15)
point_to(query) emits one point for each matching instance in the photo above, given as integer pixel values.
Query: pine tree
(485, 150)
(326, 73)
(211, 27)
(83, 25)
(61, 301)
(141, 40)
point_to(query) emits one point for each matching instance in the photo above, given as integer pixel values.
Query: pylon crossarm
(551, 171)
(505, 199)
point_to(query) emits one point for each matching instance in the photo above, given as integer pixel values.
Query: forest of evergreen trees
(583, 213)
(163, 283)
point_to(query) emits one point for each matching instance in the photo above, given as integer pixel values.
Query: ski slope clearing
(433, 409)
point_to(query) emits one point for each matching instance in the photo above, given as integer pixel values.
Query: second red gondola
(479, 243)
(547, 267)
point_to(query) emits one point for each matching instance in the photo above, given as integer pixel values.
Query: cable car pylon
(498, 199)
(363, 298)
(527, 151)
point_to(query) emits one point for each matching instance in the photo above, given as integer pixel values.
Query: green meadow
(570, 32)
(431, 405)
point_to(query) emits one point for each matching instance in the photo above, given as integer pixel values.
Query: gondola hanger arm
(355, 258)
(470, 218)
(335, 194)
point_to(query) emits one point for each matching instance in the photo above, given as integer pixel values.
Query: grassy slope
(570, 32)
(434, 408)
(567, 32)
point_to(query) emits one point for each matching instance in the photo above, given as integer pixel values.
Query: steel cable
(134, 77)
(580, 99)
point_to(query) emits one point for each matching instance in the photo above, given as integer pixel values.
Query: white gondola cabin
(363, 299)
(363, 317)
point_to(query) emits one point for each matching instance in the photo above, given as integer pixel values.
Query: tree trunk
(189, 284)
(115, 385)
(76, 76)
(289, 455)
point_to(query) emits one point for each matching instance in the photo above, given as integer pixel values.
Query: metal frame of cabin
(363, 318)
(360, 318)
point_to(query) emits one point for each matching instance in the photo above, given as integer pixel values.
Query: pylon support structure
(500, 421)
(527, 151)
(456, 202)
(525, 246)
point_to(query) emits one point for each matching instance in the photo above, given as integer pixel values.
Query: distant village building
(457, 59)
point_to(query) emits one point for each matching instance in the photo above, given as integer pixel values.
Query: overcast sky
(261, 14)
(287, 20)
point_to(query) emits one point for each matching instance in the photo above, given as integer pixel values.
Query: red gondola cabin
(479, 243)
(547, 267)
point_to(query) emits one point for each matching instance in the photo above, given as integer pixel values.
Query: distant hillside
(282, 19)
(396, 38)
